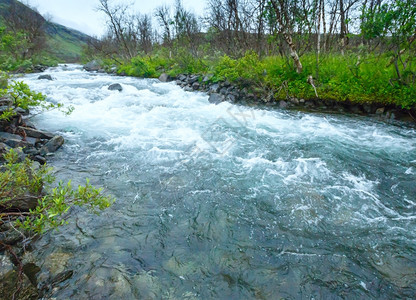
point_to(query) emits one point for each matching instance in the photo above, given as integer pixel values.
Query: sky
(82, 15)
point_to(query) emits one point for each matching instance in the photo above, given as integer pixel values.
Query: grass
(357, 79)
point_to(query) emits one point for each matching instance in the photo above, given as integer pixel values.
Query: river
(226, 201)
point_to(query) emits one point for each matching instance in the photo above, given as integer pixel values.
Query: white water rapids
(226, 201)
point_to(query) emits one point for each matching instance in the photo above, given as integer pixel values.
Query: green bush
(22, 180)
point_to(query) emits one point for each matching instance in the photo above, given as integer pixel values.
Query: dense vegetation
(356, 50)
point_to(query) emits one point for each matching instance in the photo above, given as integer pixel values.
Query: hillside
(64, 43)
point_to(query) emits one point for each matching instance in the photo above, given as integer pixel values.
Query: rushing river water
(224, 201)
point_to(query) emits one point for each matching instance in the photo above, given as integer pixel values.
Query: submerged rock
(115, 87)
(47, 77)
(54, 144)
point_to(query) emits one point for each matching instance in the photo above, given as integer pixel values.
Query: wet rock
(37, 133)
(216, 98)
(30, 270)
(92, 66)
(115, 87)
(380, 111)
(6, 101)
(294, 101)
(224, 91)
(188, 89)
(6, 265)
(46, 77)
(193, 79)
(195, 86)
(4, 148)
(214, 88)
(164, 78)
(282, 104)
(231, 98)
(54, 144)
(8, 285)
(10, 237)
(207, 78)
(39, 68)
(39, 159)
(182, 77)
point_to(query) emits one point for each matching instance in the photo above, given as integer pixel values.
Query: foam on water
(207, 192)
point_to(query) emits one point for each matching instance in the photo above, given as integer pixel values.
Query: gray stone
(224, 91)
(54, 144)
(188, 89)
(37, 133)
(47, 77)
(40, 159)
(92, 66)
(380, 111)
(164, 77)
(115, 87)
(182, 77)
(294, 101)
(6, 265)
(231, 98)
(27, 202)
(195, 85)
(216, 98)
(282, 104)
(6, 101)
(214, 88)
(193, 79)
(207, 78)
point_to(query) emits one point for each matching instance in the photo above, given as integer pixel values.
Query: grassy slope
(64, 43)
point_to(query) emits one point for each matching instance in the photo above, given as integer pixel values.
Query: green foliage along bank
(354, 77)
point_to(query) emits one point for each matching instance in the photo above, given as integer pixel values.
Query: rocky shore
(18, 275)
(226, 91)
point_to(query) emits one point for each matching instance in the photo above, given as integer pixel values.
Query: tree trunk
(287, 34)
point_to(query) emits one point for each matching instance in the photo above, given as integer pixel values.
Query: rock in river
(47, 77)
(115, 87)
(54, 144)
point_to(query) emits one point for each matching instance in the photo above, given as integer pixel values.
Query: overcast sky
(82, 14)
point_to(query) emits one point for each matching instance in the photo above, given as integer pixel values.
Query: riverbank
(363, 85)
(18, 134)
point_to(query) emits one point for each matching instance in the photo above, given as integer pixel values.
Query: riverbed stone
(193, 78)
(214, 88)
(8, 284)
(195, 86)
(216, 98)
(6, 264)
(164, 77)
(283, 104)
(54, 144)
(31, 132)
(92, 66)
(380, 111)
(115, 87)
(46, 77)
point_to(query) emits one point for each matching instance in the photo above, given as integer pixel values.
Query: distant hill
(64, 43)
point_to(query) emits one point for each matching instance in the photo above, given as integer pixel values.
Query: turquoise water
(227, 202)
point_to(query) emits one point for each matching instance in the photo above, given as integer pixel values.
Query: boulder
(282, 104)
(37, 133)
(214, 88)
(92, 66)
(39, 68)
(182, 77)
(115, 87)
(380, 111)
(192, 79)
(54, 144)
(47, 77)
(207, 78)
(164, 78)
(195, 85)
(215, 98)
